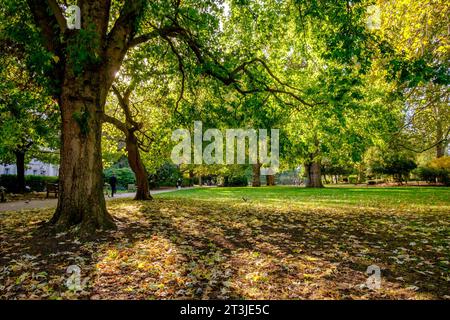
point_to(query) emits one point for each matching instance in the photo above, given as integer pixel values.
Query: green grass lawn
(410, 198)
(235, 243)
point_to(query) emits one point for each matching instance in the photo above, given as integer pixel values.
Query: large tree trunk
(20, 165)
(256, 178)
(135, 161)
(360, 173)
(313, 175)
(129, 129)
(191, 178)
(81, 200)
(270, 180)
(313, 170)
(82, 82)
(440, 142)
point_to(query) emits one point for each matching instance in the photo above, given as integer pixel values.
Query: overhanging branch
(55, 8)
(48, 23)
(118, 124)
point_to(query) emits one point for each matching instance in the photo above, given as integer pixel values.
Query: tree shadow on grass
(170, 249)
(243, 252)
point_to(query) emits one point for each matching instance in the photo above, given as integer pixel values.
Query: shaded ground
(272, 243)
(39, 201)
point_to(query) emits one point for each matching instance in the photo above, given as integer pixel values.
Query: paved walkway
(51, 203)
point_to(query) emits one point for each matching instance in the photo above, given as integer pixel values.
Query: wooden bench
(52, 188)
(2, 194)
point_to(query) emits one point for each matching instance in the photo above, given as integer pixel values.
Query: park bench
(52, 188)
(2, 194)
(107, 190)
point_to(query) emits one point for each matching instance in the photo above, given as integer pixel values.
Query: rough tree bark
(313, 175)
(20, 165)
(134, 158)
(136, 164)
(19, 153)
(81, 201)
(191, 178)
(270, 180)
(129, 128)
(256, 178)
(313, 169)
(81, 96)
(440, 141)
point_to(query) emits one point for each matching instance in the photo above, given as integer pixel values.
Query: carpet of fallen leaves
(186, 249)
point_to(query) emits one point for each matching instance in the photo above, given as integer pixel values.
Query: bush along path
(51, 202)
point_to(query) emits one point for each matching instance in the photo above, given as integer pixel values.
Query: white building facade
(35, 168)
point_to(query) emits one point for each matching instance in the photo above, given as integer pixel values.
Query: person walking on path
(112, 183)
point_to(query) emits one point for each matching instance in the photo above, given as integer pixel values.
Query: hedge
(431, 175)
(125, 176)
(36, 183)
(353, 179)
(237, 181)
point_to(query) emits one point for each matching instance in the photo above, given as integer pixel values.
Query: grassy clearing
(267, 243)
(396, 198)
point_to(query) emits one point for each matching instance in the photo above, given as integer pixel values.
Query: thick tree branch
(231, 77)
(120, 36)
(143, 38)
(124, 103)
(444, 139)
(167, 31)
(58, 15)
(118, 124)
(181, 69)
(46, 22)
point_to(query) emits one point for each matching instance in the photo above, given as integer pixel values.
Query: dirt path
(51, 203)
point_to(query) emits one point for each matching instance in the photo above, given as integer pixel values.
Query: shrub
(398, 166)
(186, 182)
(167, 175)
(125, 176)
(36, 183)
(236, 181)
(433, 174)
(442, 163)
(353, 179)
(371, 182)
(425, 174)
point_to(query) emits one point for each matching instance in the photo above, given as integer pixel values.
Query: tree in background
(437, 170)
(418, 34)
(312, 59)
(80, 68)
(28, 118)
(386, 161)
(124, 175)
(141, 107)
